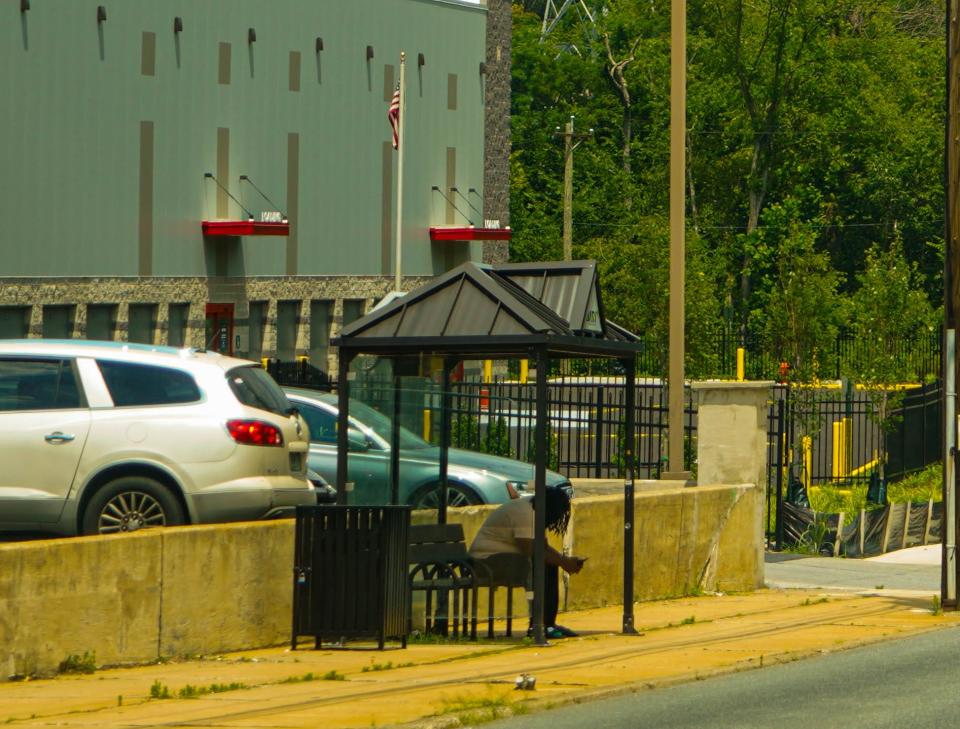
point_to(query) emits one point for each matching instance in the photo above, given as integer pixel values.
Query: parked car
(473, 478)
(99, 437)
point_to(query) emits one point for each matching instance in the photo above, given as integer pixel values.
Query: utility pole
(678, 126)
(570, 142)
(950, 570)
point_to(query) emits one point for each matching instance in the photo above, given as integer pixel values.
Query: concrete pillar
(732, 432)
(732, 449)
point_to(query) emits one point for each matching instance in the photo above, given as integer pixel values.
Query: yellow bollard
(264, 362)
(524, 371)
(426, 424)
(740, 365)
(847, 446)
(836, 471)
(488, 370)
(807, 445)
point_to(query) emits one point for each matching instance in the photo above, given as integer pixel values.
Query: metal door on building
(219, 329)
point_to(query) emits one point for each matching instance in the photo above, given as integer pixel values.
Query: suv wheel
(131, 503)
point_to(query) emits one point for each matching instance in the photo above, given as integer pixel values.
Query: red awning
(469, 233)
(243, 227)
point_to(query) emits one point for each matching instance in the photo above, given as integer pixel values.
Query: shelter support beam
(343, 406)
(446, 403)
(629, 441)
(540, 499)
(395, 437)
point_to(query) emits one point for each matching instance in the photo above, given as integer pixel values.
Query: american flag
(393, 116)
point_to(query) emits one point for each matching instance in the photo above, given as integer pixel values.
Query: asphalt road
(903, 683)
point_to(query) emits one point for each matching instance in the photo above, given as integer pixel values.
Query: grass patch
(917, 488)
(384, 666)
(87, 663)
(306, 677)
(472, 710)
(419, 638)
(162, 691)
(194, 692)
(689, 621)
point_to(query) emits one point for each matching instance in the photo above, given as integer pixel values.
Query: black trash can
(350, 573)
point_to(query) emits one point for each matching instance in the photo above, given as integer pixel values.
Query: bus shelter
(541, 312)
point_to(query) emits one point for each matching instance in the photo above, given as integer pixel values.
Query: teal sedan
(473, 478)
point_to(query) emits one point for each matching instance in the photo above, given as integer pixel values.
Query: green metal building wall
(104, 142)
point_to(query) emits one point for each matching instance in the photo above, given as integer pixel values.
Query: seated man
(509, 531)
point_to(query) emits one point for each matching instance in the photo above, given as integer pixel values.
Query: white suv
(99, 437)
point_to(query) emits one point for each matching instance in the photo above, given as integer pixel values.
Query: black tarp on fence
(865, 533)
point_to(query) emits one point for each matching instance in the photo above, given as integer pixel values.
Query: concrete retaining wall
(208, 589)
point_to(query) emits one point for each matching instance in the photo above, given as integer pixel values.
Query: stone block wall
(496, 153)
(197, 292)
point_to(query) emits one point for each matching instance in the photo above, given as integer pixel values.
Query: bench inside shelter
(442, 568)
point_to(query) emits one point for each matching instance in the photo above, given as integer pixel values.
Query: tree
(889, 312)
(764, 46)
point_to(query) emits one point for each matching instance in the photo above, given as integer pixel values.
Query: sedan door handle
(58, 437)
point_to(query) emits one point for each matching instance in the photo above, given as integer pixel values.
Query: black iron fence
(716, 357)
(817, 437)
(586, 424)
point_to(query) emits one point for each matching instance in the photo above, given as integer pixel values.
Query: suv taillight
(255, 432)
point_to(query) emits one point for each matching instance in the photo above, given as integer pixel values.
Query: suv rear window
(256, 389)
(38, 385)
(139, 384)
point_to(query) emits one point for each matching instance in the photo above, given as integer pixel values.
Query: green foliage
(496, 438)
(87, 663)
(303, 678)
(464, 432)
(917, 488)
(814, 538)
(814, 134)
(384, 666)
(553, 448)
(162, 691)
(798, 310)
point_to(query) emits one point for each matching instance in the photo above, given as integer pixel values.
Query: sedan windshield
(379, 424)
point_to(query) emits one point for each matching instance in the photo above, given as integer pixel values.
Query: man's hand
(572, 564)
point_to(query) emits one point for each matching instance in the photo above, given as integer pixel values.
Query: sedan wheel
(457, 495)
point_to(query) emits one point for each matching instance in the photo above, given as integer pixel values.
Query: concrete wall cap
(729, 385)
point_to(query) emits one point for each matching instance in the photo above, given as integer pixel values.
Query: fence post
(598, 440)
(863, 529)
(839, 539)
(781, 435)
(888, 518)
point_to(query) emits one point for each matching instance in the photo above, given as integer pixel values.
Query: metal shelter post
(540, 499)
(395, 438)
(629, 428)
(446, 403)
(343, 405)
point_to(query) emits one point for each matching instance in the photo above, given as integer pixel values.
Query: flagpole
(400, 147)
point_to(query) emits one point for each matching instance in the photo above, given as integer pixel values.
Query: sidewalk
(441, 685)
